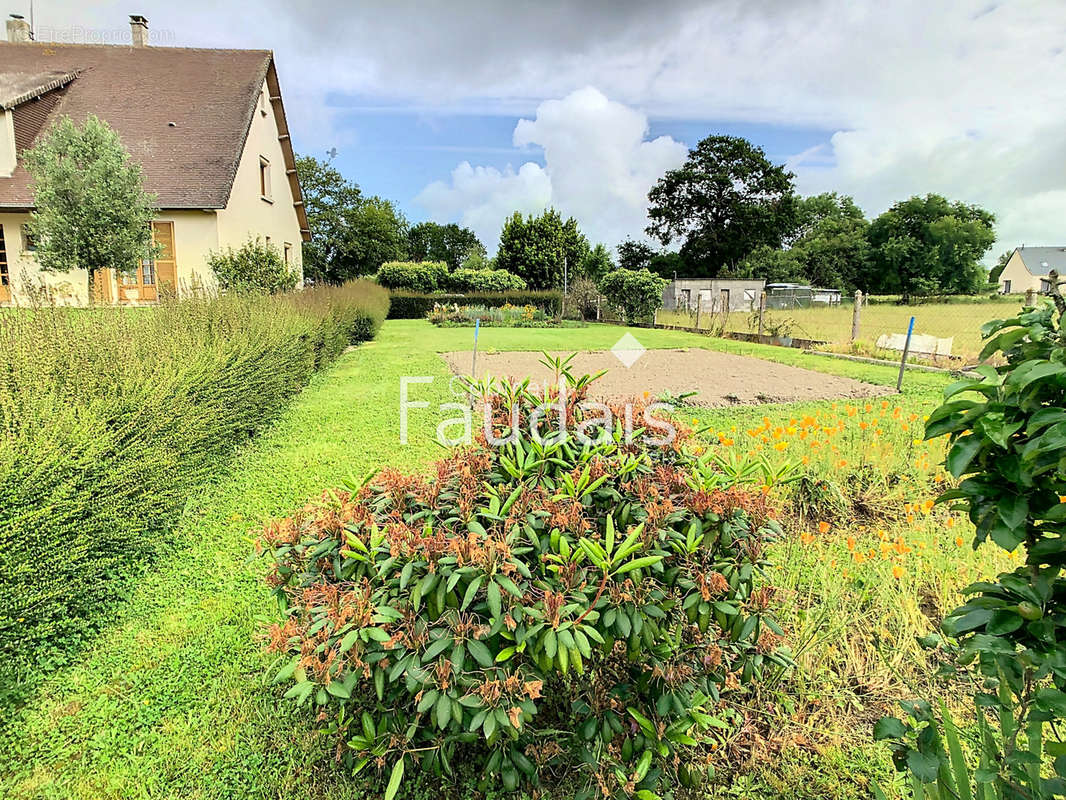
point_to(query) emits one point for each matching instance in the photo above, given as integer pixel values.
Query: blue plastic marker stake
(906, 350)
(477, 328)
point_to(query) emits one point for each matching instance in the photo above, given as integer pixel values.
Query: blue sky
(395, 153)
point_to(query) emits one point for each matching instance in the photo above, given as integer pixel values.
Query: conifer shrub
(544, 608)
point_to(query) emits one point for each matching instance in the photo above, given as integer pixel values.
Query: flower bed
(505, 316)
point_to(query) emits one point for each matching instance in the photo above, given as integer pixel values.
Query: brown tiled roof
(208, 95)
(18, 87)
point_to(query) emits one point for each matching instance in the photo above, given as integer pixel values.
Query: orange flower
(958, 541)
(806, 538)
(897, 572)
(850, 541)
(823, 527)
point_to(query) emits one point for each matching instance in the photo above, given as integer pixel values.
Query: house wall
(1021, 279)
(248, 215)
(195, 238)
(65, 288)
(7, 143)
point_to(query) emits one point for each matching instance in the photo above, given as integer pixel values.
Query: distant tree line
(735, 214)
(728, 212)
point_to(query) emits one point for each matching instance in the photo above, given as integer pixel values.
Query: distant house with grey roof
(1028, 268)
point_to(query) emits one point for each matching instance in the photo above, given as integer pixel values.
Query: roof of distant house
(182, 113)
(1041, 260)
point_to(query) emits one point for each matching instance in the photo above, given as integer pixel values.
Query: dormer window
(264, 179)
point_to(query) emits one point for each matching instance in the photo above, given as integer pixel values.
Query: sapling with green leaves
(91, 209)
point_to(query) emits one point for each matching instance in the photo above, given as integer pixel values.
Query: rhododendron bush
(548, 608)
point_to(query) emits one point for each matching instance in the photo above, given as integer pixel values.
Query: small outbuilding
(712, 295)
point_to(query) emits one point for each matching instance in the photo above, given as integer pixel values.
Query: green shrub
(636, 293)
(256, 267)
(414, 276)
(484, 280)
(413, 305)
(1007, 642)
(111, 417)
(564, 608)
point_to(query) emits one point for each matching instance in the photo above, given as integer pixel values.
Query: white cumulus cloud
(599, 166)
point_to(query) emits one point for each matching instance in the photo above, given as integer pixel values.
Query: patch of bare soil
(721, 379)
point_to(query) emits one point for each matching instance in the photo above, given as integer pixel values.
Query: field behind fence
(880, 318)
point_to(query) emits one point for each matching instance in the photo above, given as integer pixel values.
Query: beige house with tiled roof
(208, 128)
(1029, 268)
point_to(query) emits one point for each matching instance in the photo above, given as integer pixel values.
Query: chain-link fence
(947, 331)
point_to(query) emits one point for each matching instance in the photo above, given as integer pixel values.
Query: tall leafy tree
(831, 241)
(770, 264)
(539, 248)
(929, 245)
(596, 263)
(634, 255)
(91, 209)
(723, 202)
(378, 234)
(329, 200)
(828, 247)
(669, 264)
(430, 241)
(351, 235)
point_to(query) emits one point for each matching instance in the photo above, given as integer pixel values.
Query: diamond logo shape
(628, 350)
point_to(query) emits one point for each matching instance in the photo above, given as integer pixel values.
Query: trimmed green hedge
(433, 276)
(112, 417)
(414, 276)
(412, 305)
(484, 280)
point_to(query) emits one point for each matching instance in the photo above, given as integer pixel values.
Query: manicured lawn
(173, 699)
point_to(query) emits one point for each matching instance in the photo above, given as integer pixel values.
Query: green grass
(173, 700)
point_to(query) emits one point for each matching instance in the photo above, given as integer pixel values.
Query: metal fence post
(699, 302)
(856, 315)
(903, 360)
(762, 311)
